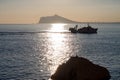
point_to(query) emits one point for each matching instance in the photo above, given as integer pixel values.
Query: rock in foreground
(78, 68)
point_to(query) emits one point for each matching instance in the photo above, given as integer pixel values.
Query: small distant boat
(73, 30)
(87, 30)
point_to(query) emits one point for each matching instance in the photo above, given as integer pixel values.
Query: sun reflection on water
(57, 50)
(57, 27)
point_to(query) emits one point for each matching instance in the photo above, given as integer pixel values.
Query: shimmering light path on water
(57, 50)
(29, 56)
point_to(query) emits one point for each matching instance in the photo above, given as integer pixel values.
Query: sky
(30, 11)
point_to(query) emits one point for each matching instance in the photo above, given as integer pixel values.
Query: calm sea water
(33, 52)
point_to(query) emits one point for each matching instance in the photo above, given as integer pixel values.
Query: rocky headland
(55, 19)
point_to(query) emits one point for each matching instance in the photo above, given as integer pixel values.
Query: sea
(34, 51)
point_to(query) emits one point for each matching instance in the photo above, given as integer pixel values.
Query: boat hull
(85, 30)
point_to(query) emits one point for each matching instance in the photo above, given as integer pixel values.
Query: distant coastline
(67, 23)
(60, 19)
(55, 19)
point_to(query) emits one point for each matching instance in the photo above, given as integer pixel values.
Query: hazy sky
(29, 11)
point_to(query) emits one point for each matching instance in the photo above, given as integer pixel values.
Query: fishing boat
(87, 30)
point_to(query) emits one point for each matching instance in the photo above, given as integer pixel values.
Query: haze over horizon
(30, 11)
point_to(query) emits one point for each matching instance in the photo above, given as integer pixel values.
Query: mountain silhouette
(55, 19)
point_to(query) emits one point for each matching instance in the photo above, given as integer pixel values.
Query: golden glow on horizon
(29, 11)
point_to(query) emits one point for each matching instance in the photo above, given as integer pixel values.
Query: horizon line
(54, 23)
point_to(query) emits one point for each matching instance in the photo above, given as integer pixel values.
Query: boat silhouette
(87, 30)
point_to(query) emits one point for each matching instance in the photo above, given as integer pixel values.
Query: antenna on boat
(88, 25)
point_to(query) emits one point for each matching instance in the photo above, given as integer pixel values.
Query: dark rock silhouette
(55, 19)
(78, 68)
